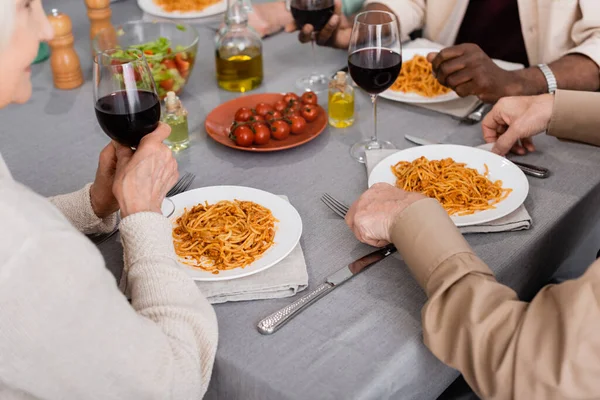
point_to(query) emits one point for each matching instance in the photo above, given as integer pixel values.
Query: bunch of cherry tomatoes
(289, 115)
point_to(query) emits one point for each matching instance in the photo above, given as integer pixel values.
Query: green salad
(170, 67)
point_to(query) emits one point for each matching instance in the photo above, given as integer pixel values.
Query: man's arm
(532, 79)
(505, 348)
(410, 13)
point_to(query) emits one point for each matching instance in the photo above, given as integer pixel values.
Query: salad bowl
(169, 48)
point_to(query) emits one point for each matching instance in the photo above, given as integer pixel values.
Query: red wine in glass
(374, 69)
(315, 13)
(127, 116)
(316, 17)
(126, 104)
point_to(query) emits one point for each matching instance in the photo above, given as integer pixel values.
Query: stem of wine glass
(314, 53)
(374, 136)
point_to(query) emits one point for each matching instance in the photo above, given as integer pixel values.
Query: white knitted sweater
(66, 330)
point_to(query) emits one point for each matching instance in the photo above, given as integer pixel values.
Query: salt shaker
(66, 69)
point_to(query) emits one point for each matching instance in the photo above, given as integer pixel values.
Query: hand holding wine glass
(126, 103)
(144, 177)
(374, 62)
(315, 13)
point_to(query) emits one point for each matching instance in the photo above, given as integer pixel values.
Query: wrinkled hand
(103, 201)
(143, 178)
(336, 33)
(517, 119)
(371, 217)
(467, 70)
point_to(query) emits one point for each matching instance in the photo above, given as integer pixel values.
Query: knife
(528, 169)
(275, 321)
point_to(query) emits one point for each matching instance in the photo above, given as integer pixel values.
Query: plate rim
(178, 15)
(216, 278)
(389, 93)
(513, 167)
(263, 149)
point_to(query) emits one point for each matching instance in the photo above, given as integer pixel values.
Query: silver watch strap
(550, 78)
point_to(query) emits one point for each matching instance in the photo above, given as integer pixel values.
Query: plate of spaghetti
(473, 185)
(416, 83)
(183, 8)
(228, 232)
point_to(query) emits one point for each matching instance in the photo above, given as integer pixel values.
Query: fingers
(329, 30)
(159, 135)
(306, 33)
(453, 69)
(446, 54)
(506, 142)
(431, 56)
(528, 144)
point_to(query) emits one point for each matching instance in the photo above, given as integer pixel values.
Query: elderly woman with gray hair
(67, 331)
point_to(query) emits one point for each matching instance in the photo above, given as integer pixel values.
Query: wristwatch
(550, 78)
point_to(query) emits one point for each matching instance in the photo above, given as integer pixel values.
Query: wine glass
(316, 13)
(374, 62)
(127, 105)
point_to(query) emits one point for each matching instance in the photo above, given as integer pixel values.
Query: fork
(341, 209)
(181, 186)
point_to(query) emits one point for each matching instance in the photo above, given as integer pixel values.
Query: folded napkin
(516, 221)
(285, 279)
(459, 107)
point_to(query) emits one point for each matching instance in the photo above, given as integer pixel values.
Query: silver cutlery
(528, 169)
(275, 321)
(181, 186)
(477, 114)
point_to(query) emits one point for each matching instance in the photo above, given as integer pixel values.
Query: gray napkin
(516, 221)
(458, 107)
(285, 279)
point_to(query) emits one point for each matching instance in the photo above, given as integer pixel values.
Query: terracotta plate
(219, 120)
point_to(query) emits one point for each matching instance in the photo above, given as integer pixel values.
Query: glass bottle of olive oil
(176, 117)
(341, 101)
(239, 52)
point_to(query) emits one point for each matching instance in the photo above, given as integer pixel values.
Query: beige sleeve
(505, 348)
(410, 14)
(77, 207)
(576, 116)
(586, 31)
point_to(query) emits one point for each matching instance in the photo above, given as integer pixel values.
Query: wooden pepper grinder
(64, 61)
(99, 13)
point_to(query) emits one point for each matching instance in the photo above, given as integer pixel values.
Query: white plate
(499, 168)
(149, 7)
(287, 234)
(408, 54)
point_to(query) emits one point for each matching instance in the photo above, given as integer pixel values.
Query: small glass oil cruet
(176, 116)
(238, 55)
(341, 101)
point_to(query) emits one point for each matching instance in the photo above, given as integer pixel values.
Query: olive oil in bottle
(176, 117)
(239, 52)
(341, 101)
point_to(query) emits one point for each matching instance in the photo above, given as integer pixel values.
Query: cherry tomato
(298, 125)
(182, 64)
(243, 136)
(309, 98)
(256, 118)
(280, 106)
(263, 109)
(273, 116)
(290, 96)
(289, 112)
(170, 64)
(310, 113)
(167, 84)
(262, 134)
(280, 130)
(243, 114)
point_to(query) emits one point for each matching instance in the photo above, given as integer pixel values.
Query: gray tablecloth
(363, 341)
